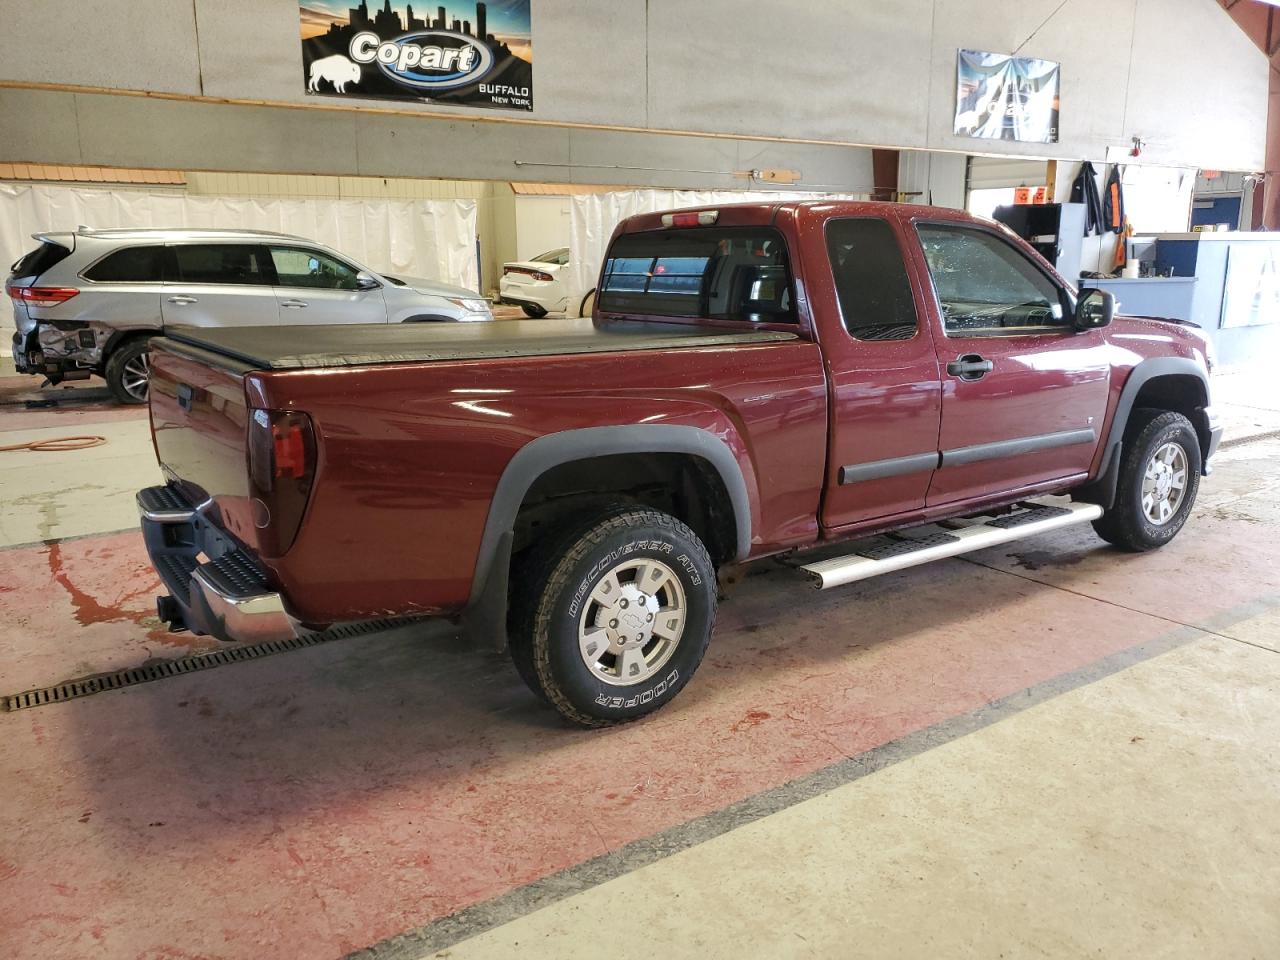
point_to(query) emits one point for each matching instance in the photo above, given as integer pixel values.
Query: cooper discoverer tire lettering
(616, 616)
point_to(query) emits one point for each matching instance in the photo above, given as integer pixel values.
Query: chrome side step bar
(910, 548)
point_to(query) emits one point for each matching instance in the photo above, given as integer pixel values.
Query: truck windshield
(720, 273)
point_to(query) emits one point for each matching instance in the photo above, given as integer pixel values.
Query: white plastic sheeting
(434, 239)
(593, 216)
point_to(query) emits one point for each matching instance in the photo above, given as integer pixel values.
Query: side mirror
(1095, 308)
(366, 282)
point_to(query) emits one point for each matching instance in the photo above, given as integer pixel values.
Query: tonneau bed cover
(349, 345)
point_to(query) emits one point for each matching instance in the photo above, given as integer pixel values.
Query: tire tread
(551, 568)
(1121, 526)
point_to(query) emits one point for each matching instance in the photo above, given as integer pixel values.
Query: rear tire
(533, 310)
(1159, 479)
(615, 617)
(128, 371)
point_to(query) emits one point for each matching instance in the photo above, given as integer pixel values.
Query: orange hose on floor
(56, 444)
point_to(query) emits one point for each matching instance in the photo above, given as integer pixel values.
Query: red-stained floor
(79, 607)
(314, 803)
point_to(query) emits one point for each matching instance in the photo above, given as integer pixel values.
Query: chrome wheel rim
(1164, 483)
(632, 622)
(136, 375)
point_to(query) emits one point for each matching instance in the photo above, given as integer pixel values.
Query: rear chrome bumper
(226, 596)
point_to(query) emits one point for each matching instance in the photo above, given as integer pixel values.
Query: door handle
(296, 304)
(970, 367)
(182, 301)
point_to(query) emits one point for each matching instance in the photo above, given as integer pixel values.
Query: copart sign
(477, 54)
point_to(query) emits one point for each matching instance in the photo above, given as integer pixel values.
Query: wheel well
(685, 486)
(120, 338)
(1181, 393)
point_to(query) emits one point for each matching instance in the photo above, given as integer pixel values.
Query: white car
(537, 286)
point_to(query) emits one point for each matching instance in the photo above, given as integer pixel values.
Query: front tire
(1159, 479)
(533, 310)
(616, 617)
(128, 371)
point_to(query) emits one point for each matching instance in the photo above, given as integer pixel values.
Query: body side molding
(893, 467)
(1016, 447)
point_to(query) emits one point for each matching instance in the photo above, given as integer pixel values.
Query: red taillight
(282, 465)
(290, 451)
(539, 275)
(42, 296)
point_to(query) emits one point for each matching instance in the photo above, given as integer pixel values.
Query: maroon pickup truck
(756, 379)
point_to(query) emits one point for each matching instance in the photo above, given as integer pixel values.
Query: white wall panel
(1090, 38)
(1178, 73)
(542, 224)
(249, 49)
(589, 61)
(423, 238)
(1192, 95)
(823, 69)
(130, 44)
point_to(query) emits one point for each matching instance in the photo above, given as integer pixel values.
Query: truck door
(1024, 394)
(883, 375)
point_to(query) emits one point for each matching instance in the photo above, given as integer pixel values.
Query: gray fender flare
(1102, 489)
(486, 609)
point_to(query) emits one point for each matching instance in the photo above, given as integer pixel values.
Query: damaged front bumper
(225, 596)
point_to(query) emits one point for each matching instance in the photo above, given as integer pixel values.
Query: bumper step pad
(164, 504)
(226, 596)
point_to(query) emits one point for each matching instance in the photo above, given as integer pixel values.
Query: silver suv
(87, 302)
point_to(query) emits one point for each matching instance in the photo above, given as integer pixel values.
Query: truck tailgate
(198, 417)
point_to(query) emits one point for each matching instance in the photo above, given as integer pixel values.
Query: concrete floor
(1046, 749)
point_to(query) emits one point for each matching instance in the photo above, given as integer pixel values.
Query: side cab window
(988, 287)
(876, 302)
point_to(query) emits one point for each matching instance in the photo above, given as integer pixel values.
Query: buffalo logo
(429, 60)
(337, 69)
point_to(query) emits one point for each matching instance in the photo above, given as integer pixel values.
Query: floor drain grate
(88, 686)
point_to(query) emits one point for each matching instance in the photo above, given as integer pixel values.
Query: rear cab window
(715, 273)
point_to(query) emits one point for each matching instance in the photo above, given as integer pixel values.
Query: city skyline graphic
(506, 21)
(501, 76)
